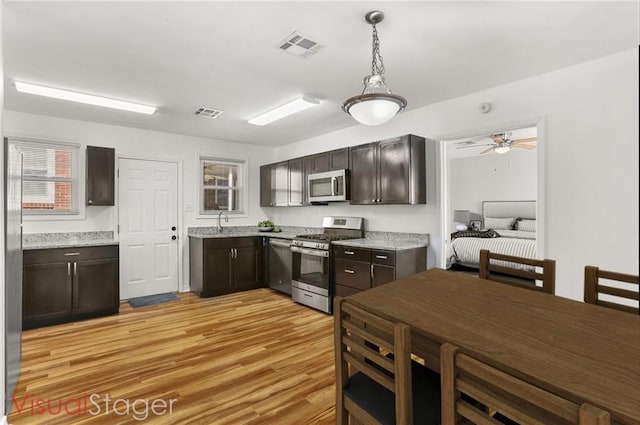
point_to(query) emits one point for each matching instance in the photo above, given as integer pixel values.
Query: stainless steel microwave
(328, 187)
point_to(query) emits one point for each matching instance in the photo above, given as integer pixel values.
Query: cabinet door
(46, 292)
(217, 272)
(339, 159)
(308, 163)
(247, 269)
(95, 286)
(395, 163)
(364, 174)
(280, 189)
(265, 186)
(100, 188)
(296, 182)
(321, 162)
(382, 275)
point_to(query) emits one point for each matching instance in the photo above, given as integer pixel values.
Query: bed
(509, 227)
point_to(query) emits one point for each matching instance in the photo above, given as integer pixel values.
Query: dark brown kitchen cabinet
(389, 172)
(274, 185)
(66, 284)
(337, 159)
(100, 176)
(221, 266)
(358, 269)
(297, 180)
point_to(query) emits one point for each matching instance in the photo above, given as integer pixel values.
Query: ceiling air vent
(208, 112)
(299, 45)
(466, 143)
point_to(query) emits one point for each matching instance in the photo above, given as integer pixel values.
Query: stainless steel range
(311, 261)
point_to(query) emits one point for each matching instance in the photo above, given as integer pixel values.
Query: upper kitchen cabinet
(100, 189)
(296, 182)
(274, 185)
(391, 171)
(333, 160)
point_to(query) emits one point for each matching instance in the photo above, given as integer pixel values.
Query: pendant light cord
(377, 65)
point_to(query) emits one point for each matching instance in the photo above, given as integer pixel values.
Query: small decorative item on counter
(265, 226)
(277, 229)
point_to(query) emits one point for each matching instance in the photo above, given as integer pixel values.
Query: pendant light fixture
(376, 104)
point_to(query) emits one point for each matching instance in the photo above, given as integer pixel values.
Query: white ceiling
(181, 56)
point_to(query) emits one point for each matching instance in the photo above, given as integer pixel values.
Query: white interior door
(148, 219)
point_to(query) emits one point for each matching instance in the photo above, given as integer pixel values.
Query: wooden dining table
(583, 352)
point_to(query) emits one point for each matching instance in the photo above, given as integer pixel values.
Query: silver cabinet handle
(349, 252)
(71, 254)
(372, 271)
(349, 271)
(75, 269)
(373, 200)
(69, 269)
(90, 201)
(381, 257)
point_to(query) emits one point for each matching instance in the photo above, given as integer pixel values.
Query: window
(49, 177)
(222, 185)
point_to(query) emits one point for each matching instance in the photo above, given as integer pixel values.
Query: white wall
(492, 177)
(2, 328)
(144, 143)
(590, 160)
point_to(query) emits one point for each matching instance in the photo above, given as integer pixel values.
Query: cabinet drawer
(233, 242)
(56, 255)
(357, 254)
(355, 274)
(345, 291)
(385, 258)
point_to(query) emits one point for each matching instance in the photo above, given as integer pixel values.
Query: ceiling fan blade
(487, 150)
(475, 146)
(523, 146)
(528, 139)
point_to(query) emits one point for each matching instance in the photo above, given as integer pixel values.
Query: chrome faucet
(226, 219)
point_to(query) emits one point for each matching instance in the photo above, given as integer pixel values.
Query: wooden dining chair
(376, 381)
(511, 399)
(593, 288)
(518, 277)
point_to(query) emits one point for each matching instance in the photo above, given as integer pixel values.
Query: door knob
(173, 228)
(174, 237)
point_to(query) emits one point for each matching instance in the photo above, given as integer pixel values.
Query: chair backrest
(593, 287)
(547, 275)
(504, 394)
(361, 341)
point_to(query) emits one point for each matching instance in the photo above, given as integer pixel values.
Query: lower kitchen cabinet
(221, 266)
(62, 285)
(359, 269)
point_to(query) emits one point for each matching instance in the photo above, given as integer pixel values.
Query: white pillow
(526, 225)
(499, 223)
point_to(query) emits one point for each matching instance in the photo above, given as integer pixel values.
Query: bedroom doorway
(492, 180)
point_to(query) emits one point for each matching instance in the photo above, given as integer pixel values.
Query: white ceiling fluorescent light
(84, 98)
(292, 107)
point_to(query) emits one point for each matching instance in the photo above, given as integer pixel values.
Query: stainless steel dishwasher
(280, 265)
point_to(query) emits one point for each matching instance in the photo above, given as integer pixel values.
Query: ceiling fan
(502, 143)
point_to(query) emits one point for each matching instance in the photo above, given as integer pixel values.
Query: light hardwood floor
(249, 358)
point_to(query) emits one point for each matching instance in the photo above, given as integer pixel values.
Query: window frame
(242, 187)
(74, 180)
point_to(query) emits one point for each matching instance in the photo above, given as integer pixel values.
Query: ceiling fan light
(502, 149)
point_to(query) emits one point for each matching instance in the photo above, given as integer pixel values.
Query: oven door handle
(307, 251)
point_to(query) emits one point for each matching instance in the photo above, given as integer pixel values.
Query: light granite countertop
(386, 244)
(67, 240)
(231, 234)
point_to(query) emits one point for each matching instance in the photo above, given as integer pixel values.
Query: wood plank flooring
(249, 358)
